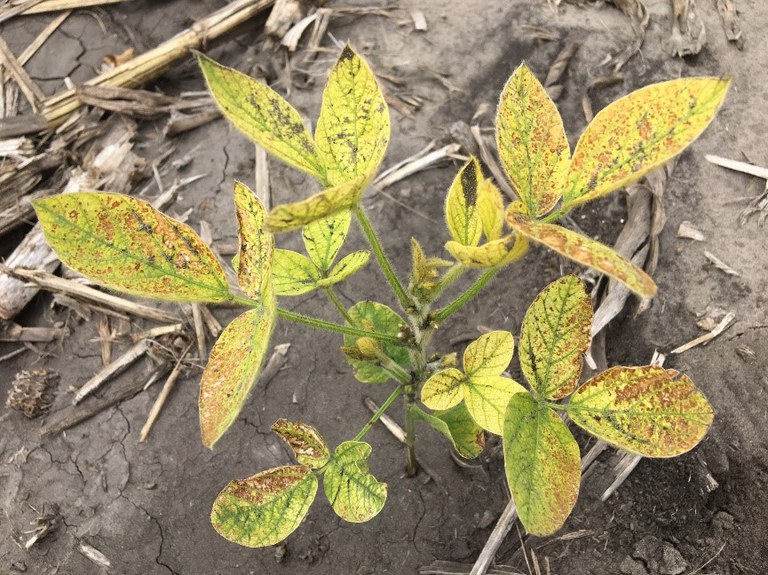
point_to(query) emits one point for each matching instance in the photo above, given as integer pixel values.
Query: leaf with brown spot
(254, 259)
(493, 254)
(354, 493)
(651, 411)
(461, 210)
(306, 442)
(127, 245)
(457, 425)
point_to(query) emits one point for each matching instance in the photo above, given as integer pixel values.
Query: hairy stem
(411, 466)
(339, 306)
(466, 297)
(384, 406)
(453, 273)
(338, 328)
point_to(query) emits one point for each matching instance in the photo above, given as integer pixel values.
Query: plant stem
(339, 306)
(244, 301)
(466, 297)
(384, 406)
(411, 466)
(381, 257)
(338, 328)
(453, 273)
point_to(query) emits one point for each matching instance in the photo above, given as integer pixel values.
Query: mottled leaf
(493, 254)
(461, 212)
(532, 144)
(306, 442)
(554, 337)
(234, 363)
(487, 398)
(127, 245)
(354, 493)
(376, 317)
(457, 425)
(353, 129)
(490, 209)
(444, 389)
(254, 259)
(648, 410)
(293, 273)
(542, 464)
(639, 132)
(265, 508)
(262, 115)
(324, 238)
(348, 266)
(489, 354)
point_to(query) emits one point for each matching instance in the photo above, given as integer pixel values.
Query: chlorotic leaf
(585, 251)
(424, 280)
(306, 442)
(487, 398)
(493, 254)
(293, 273)
(287, 217)
(554, 337)
(234, 363)
(354, 493)
(444, 389)
(262, 115)
(324, 238)
(127, 245)
(254, 259)
(647, 410)
(457, 425)
(353, 129)
(265, 508)
(348, 266)
(489, 354)
(376, 317)
(490, 209)
(461, 205)
(532, 144)
(638, 133)
(542, 464)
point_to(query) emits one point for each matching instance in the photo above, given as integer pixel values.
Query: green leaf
(354, 493)
(444, 389)
(494, 254)
(489, 354)
(353, 129)
(306, 442)
(348, 266)
(532, 144)
(490, 209)
(457, 425)
(648, 410)
(377, 317)
(324, 238)
(254, 260)
(461, 205)
(262, 115)
(542, 464)
(585, 251)
(487, 398)
(127, 245)
(293, 273)
(235, 361)
(638, 133)
(554, 337)
(265, 508)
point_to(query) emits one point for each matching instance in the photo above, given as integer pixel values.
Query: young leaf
(461, 205)
(293, 273)
(424, 276)
(262, 115)
(487, 398)
(532, 144)
(554, 337)
(353, 129)
(354, 493)
(494, 254)
(648, 410)
(376, 317)
(489, 355)
(231, 372)
(542, 464)
(585, 251)
(127, 245)
(348, 266)
(324, 238)
(444, 389)
(490, 209)
(265, 508)
(457, 425)
(254, 259)
(306, 442)
(639, 132)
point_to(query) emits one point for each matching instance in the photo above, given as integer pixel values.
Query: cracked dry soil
(145, 506)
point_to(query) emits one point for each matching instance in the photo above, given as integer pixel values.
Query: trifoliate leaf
(293, 273)
(354, 493)
(324, 238)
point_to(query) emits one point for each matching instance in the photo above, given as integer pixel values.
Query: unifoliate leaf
(127, 245)
(306, 442)
(487, 398)
(353, 129)
(639, 132)
(265, 508)
(532, 144)
(648, 410)
(489, 354)
(461, 205)
(293, 273)
(490, 209)
(554, 337)
(287, 217)
(444, 389)
(354, 493)
(542, 464)
(376, 317)
(585, 251)
(349, 265)
(324, 238)
(493, 254)
(254, 259)
(234, 363)
(457, 425)
(262, 115)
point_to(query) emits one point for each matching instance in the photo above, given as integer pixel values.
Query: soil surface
(146, 506)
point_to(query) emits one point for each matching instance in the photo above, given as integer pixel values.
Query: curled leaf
(306, 442)
(490, 209)
(457, 425)
(254, 259)
(354, 493)
(493, 254)
(461, 205)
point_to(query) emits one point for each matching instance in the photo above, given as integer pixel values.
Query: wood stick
(20, 9)
(499, 533)
(12, 354)
(113, 369)
(197, 320)
(27, 86)
(14, 332)
(724, 323)
(42, 6)
(42, 38)
(105, 334)
(164, 393)
(742, 167)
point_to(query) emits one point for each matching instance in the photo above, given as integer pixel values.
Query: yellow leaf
(461, 205)
(293, 273)
(305, 441)
(458, 426)
(348, 266)
(490, 208)
(494, 254)
(489, 355)
(323, 239)
(352, 490)
(443, 390)
(487, 398)
(254, 260)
